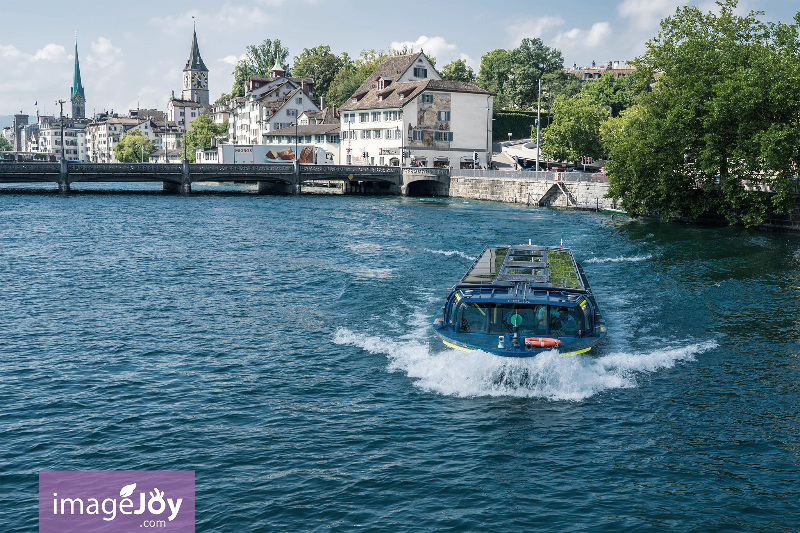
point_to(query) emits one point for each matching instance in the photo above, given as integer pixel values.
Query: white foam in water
(620, 259)
(450, 253)
(548, 375)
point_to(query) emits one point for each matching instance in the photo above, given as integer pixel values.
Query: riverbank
(545, 189)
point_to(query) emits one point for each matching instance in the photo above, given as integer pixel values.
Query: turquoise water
(281, 347)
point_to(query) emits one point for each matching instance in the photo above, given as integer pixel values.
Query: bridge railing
(30, 168)
(112, 169)
(532, 175)
(277, 169)
(345, 170)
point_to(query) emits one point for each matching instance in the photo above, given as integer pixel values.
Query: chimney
(322, 103)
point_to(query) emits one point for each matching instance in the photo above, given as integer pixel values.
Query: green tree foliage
(458, 71)
(493, 73)
(723, 115)
(353, 74)
(5, 146)
(129, 148)
(616, 93)
(575, 129)
(513, 75)
(203, 130)
(259, 61)
(320, 64)
(529, 62)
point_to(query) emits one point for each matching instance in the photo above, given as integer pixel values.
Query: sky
(132, 54)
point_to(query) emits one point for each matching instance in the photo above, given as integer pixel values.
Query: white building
(104, 133)
(405, 106)
(75, 146)
(270, 103)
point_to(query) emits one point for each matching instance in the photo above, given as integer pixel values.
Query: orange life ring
(542, 342)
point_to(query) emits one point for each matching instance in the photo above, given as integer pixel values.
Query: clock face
(200, 80)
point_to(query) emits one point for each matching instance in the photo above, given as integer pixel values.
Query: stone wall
(545, 192)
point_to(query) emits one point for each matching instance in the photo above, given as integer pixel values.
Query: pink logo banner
(99, 501)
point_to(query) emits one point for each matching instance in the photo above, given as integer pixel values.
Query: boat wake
(548, 375)
(450, 253)
(620, 259)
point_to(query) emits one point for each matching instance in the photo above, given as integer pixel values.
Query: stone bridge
(271, 179)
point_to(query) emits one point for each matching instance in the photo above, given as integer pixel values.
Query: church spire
(77, 86)
(77, 95)
(195, 62)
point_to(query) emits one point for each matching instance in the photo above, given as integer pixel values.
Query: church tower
(77, 96)
(195, 76)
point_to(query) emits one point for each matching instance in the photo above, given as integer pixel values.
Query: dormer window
(383, 83)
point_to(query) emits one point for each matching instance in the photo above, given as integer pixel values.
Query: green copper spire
(77, 87)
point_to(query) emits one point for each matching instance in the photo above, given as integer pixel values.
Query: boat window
(532, 319)
(471, 318)
(566, 321)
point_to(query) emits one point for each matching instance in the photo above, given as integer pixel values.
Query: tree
(575, 130)
(353, 74)
(529, 62)
(721, 121)
(514, 74)
(134, 147)
(203, 130)
(617, 93)
(458, 71)
(259, 61)
(321, 65)
(493, 74)
(5, 146)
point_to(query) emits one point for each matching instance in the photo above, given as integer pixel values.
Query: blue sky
(133, 52)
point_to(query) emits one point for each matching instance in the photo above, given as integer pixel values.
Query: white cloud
(232, 60)
(532, 28)
(51, 52)
(436, 47)
(572, 42)
(577, 40)
(104, 55)
(646, 15)
(9, 51)
(229, 16)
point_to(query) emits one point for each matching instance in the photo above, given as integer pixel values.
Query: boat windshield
(501, 318)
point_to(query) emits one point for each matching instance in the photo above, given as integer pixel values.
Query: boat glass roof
(543, 266)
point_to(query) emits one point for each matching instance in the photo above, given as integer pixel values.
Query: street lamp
(61, 103)
(295, 140)
(402, 148)
(538, 121)
(142, 152)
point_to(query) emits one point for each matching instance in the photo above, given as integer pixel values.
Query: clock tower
(195, 76)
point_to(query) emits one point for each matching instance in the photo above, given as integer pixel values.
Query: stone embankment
(555, 189)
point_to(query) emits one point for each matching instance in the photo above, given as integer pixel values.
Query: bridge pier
(63, 177)
(173, 187)
(277, 187)
(182, 187)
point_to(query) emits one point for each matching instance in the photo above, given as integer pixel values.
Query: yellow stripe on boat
(457, 347)
(577, 352)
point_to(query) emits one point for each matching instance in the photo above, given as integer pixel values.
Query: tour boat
(520, 301)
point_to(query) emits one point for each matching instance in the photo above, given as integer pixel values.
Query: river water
(281, 348)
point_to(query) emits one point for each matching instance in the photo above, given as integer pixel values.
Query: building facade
(595, 72)
(405, 114)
